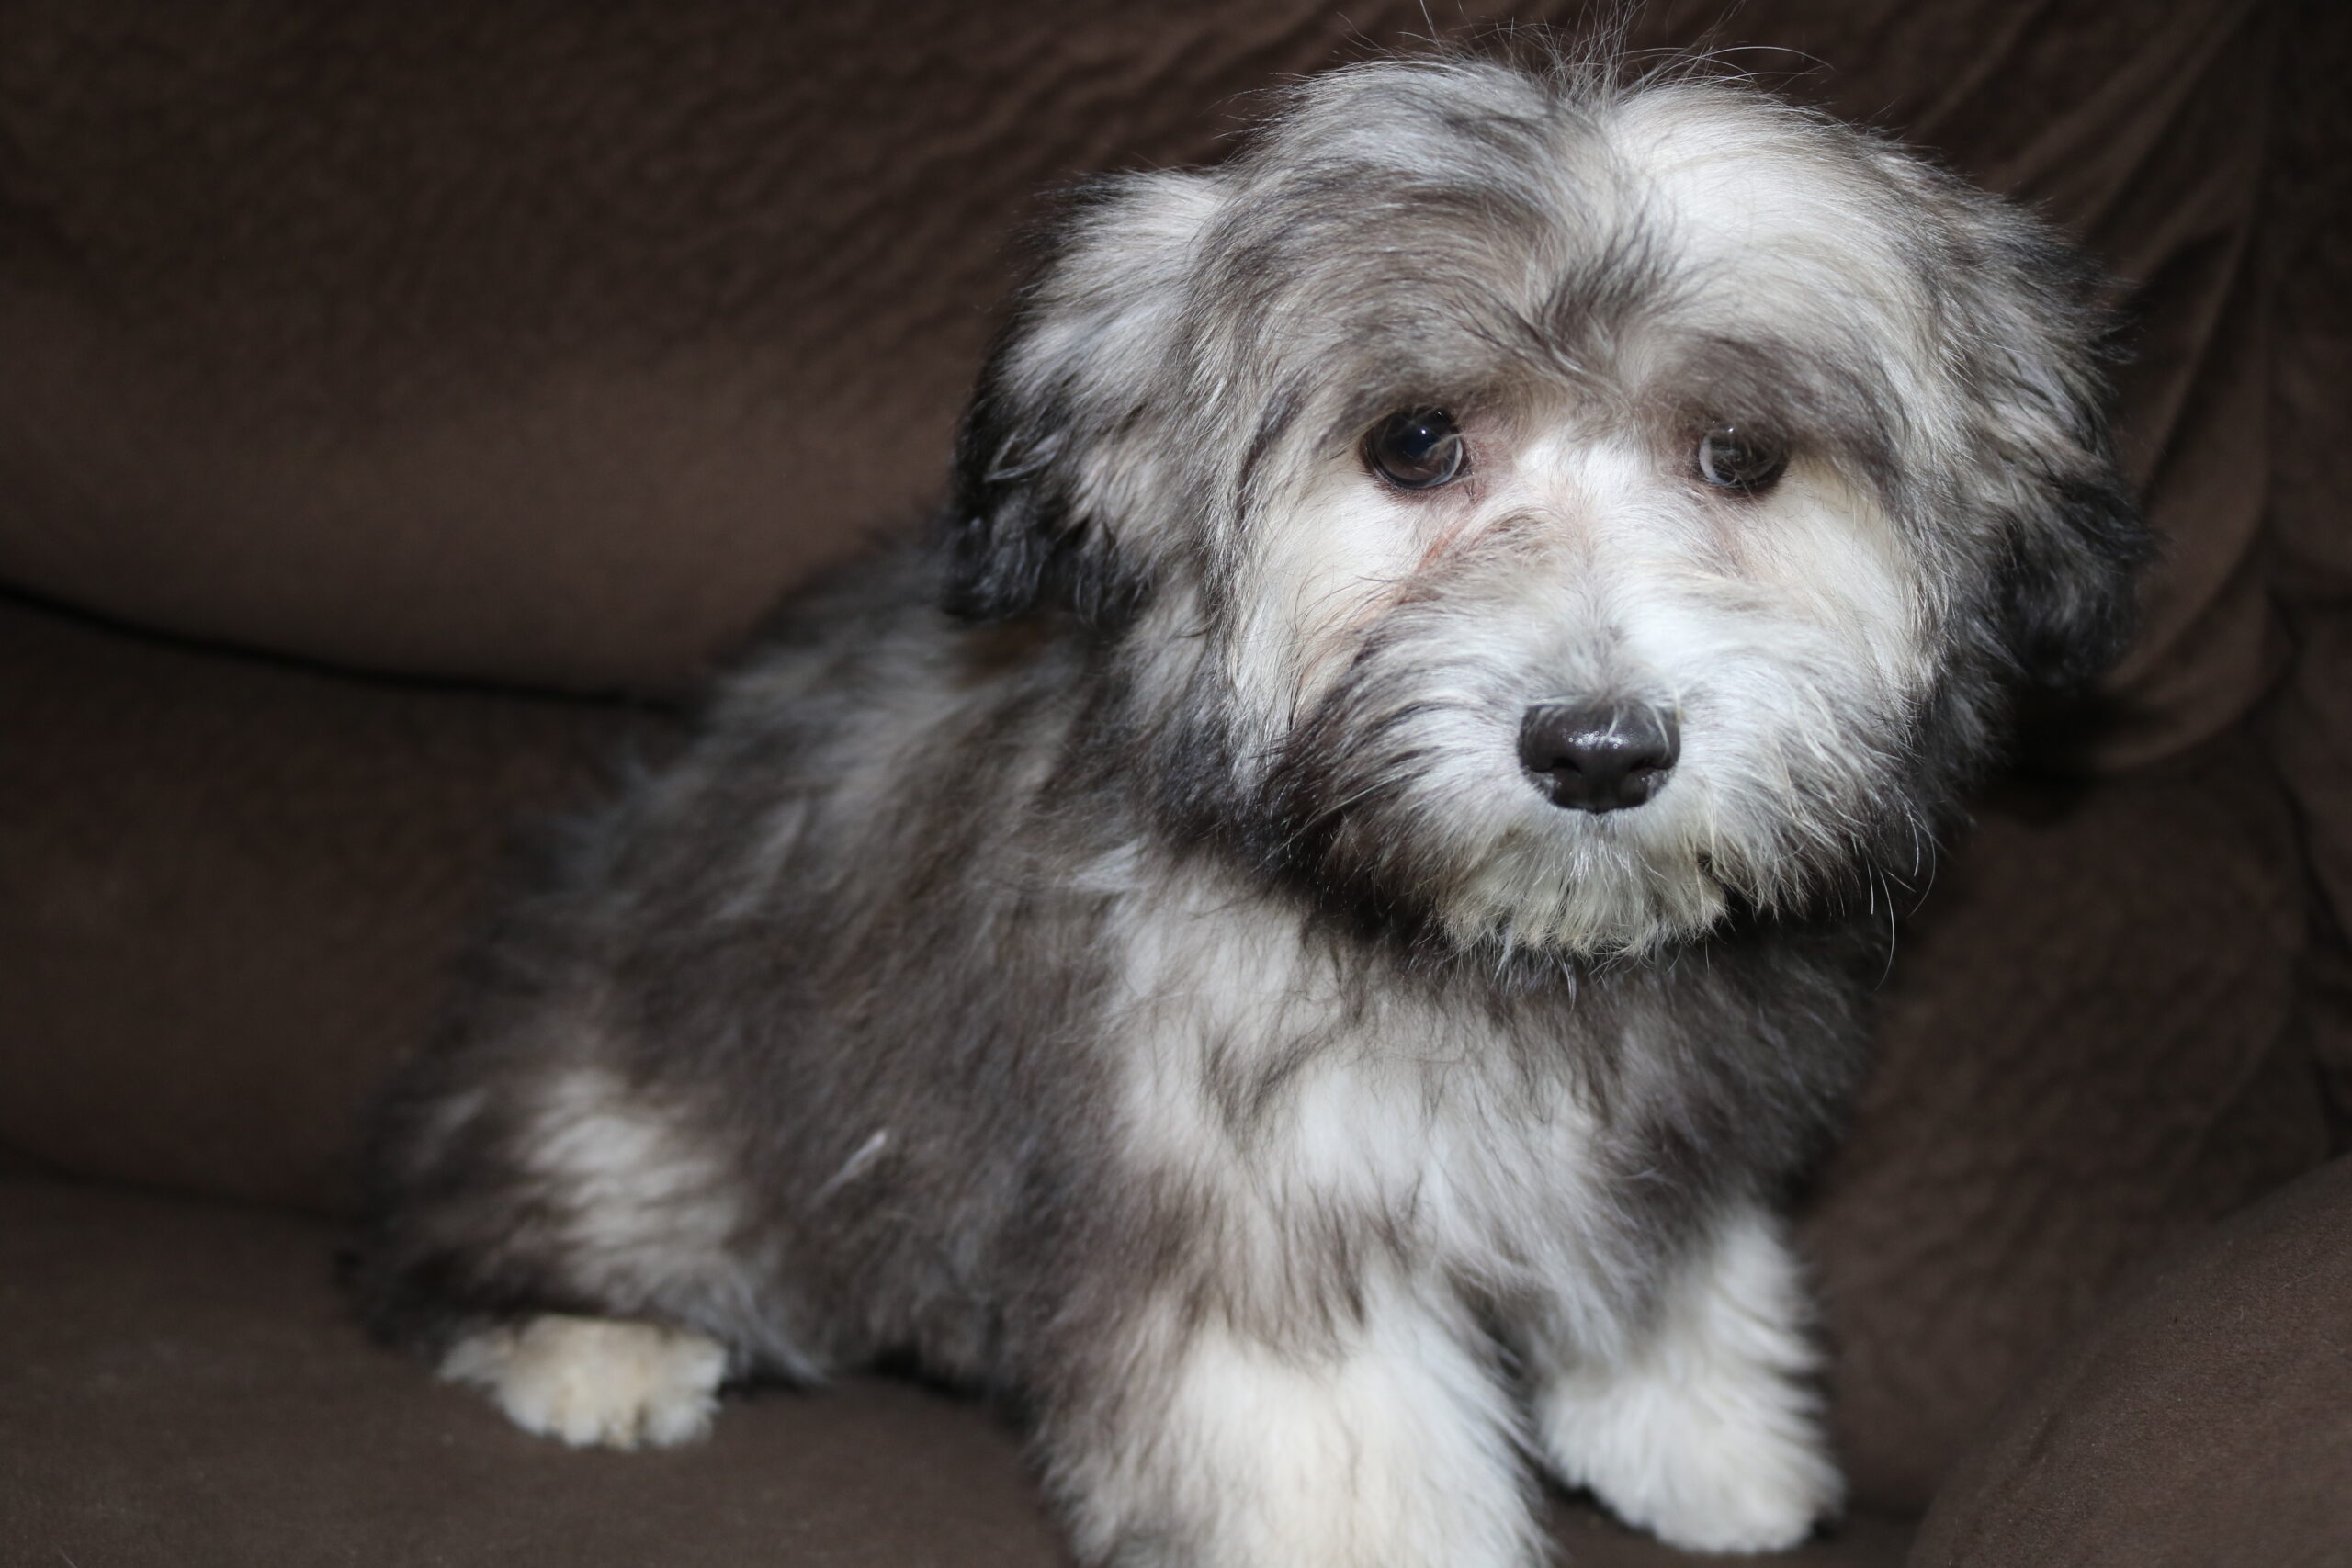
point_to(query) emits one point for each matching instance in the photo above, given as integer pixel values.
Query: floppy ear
(2074, 542)
(2069, 587)
(1057, 470)
(1011, 541)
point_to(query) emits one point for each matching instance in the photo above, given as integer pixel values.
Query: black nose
(1596, 757)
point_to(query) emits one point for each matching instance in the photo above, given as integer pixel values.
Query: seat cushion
(231, 890)
(180, 1382)
(2205, 1416)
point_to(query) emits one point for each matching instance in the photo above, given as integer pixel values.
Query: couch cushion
(2205, 1418)
(2088, 1046)
(231, 890)
(179, 1382)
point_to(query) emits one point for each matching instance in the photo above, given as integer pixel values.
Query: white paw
(589, 1379)
(1704, 1479)
(1706, 1431)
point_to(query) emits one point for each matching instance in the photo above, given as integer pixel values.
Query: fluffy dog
(1302, 942)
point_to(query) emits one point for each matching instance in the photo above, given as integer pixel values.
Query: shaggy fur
(1136, 957)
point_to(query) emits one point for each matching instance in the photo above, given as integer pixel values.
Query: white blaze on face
(1667, 587)
(1585, 560)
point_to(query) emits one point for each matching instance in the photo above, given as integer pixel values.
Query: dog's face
(1560, 512)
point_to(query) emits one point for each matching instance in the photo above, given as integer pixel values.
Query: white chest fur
(1313, 1117)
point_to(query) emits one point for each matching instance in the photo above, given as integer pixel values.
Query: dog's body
(1453, 616)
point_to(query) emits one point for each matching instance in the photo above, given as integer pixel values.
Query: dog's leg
(585, 1274)
(1388, 1444)
(1704, 1430)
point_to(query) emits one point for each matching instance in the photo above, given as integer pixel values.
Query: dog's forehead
(1516, 209)
(1735, 167)
(1769, 209)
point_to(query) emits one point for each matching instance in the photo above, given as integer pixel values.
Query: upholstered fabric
(2090, 1043)
(229, 890)
(2201, 1420)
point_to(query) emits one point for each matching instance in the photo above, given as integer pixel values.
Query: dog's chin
(1524, 876)
(1634, 883)
(1581, 896)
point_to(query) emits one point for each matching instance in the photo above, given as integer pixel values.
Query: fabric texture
(2085, 1051)
(2200, 1421)
(231, 890)
(2309, 726)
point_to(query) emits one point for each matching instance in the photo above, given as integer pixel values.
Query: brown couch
(399, 403)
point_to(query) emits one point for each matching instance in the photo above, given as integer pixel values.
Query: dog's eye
(1416, 449)
(1731, 458)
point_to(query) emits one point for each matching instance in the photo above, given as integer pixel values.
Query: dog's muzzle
(1597, 757)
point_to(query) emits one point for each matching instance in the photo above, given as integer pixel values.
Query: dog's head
(1561, 511)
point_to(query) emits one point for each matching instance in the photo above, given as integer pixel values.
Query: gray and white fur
(1308, 983)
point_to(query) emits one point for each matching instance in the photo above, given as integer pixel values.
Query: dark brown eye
(1736, 459)
(1416, 449)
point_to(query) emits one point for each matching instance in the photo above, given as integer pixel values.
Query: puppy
(1302, 938)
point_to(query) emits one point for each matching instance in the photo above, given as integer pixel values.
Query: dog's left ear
(1056, 468)
(2069, 588)
(2074, 542)
(1013, 542)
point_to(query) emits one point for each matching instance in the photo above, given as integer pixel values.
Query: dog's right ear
(1016, 539)
(1056, 468)
(2076, 544)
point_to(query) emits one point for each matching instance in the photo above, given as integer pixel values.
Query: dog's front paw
(1706, 1480)
(1706, 1431)
(594, 1381)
